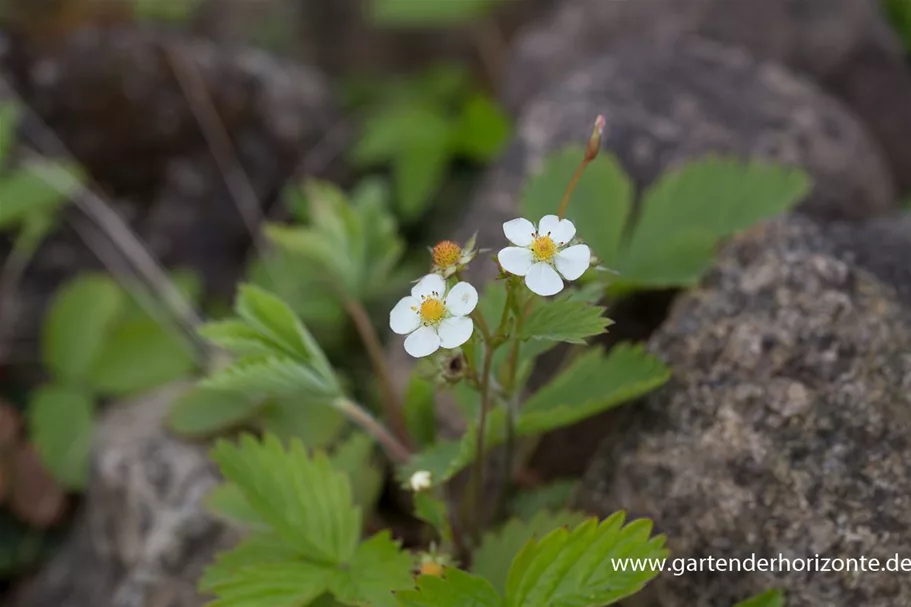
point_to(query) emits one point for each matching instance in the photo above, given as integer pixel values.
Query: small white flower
(539, 251)
(420, 480)
(433, 318)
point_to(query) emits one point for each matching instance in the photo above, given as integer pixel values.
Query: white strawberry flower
(420, 481)
(540, 253)
(434, 318)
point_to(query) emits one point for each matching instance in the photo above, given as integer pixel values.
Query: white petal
(573, 262)
(405, 316)
(455, 331)
(543, 280)
(561, 230)
(422, 342)
(519, 232)
(515, 260)
(432, 283)
(461, 299)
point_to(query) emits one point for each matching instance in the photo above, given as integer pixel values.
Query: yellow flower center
(543, 247)
(432, 310)
(446, 254)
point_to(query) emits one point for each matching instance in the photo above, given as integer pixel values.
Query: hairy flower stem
(591, 152)
(360, 416)
(391, 407)
(477, 488)
(512, 399)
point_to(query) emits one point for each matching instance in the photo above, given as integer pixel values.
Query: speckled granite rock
(111, 95)
(845, 45)
(143, 536)
(785, 429)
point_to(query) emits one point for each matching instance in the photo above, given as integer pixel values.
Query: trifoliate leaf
(276, 321)
(584, 566)
(264, 571)
(61, 421)
(202, 411)
(400, 13)
(482, 129)
(227, 502)
(304, 499)
(34, 189)
(591, 384)
(455, 589)
(78, 324)
(770, 598)
(271, 377)
(564, 320)
(498, 548)
(600, 205)
(553, 496)
(139, 355)
(419, 410)
(9, 120)
(378, 568)
(689, 209)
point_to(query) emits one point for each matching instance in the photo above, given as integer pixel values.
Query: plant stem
(512, 401)
(366, 330)
(591, 152)
(396, 451)
(478, 475)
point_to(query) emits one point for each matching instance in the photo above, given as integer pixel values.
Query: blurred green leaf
(200, 411)
(29, 189)
(432, 511)
(168, 11)
(9, 121)
(315, 422)
(689, 210)
(21, 546)
(426, 13)
(419, 169)
(771, 598)
(139, 355)
(356, 457)
(553, 496)
(81, 317)
(482, 130)
(61, 421)
(899, 15)
(600, 204)
(419, 408)
(494, 556)
(227, 502)
(271, 377)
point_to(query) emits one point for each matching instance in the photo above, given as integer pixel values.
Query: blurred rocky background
(786, 425)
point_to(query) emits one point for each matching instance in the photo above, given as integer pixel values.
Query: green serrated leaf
(139, 355)
(419, 409)
(600, 204)
(585, 566)
(553, 496)
(428, 13)
(201, 411)
(433, 511)
(689, 209)
(564, 320)
(227, 502)
(498, 548)
(591, 384)
(238, 338)
(78, 324)
(34, 189)
(378, 568)
(271, 377)
(455, 589)
(355, 457)
(305, 500)
(770, 598)
(482, 129)
(61, 422)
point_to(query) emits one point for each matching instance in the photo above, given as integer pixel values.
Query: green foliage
(170, 11)
(312, 543)
(553, 496)
(61, 423)
(428, 13)
(9, 120)
(290, 417)
(455, 589)
(576, 567)
(202, 411)
(419, 408)
(419, 126)
(80, 319)
(31, 189)
(682, 219)
(498, 548)
(899, 14)
(21, 546)
(432, 511)
(770, 598)
(563, 319)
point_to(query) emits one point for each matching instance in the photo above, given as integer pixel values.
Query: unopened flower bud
(420, 480)
(594, 142)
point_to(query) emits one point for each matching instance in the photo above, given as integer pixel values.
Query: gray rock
(143, 535)
(785, 429)
(112, 97)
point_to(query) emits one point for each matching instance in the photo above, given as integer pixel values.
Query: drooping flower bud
(594, 142)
